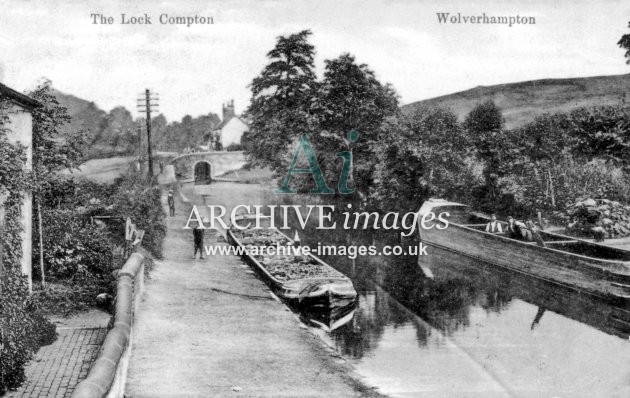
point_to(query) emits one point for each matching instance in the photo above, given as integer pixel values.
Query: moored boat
(329, 319)
(586, 266)
(302, 280)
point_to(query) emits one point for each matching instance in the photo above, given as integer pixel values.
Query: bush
(72, 246)
(80, 254)
(23, 329)
(235, 147)
(143, 205)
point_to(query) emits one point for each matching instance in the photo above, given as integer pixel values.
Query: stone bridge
(205, 166)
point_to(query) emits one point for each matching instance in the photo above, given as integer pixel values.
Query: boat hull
(304, 293)
(603, 278)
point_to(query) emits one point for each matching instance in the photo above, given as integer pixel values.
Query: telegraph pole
(147, 107)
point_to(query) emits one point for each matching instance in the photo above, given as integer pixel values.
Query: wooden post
(41, 243)
(148, 99)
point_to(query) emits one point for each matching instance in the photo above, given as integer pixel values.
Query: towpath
(208, 328)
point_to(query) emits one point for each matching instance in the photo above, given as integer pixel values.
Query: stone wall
(21, 131)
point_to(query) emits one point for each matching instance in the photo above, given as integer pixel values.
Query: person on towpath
(198, 241)
(171, 203)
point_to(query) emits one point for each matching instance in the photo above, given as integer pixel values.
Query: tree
(422, 154)
(443, 146)
(484, 118)
(484, 126)
(52, 150)
(279, 109)
(399, 169)
(624, 43)
(352, 99)
(541, 147)
(120, 132)
(602, 132)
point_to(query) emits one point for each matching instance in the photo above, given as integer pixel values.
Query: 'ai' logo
(314, 169)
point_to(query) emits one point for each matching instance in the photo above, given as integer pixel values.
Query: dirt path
(208, 328)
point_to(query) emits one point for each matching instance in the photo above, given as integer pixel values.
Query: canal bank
(211, 328)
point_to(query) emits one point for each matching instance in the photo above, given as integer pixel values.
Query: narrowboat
(301, 280)
(585, 266)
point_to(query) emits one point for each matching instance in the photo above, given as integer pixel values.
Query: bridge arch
(202, 171)
(220, 163)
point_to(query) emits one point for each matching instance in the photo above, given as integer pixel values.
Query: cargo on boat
(585, 266)
(302, 280)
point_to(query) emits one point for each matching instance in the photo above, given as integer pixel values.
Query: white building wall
(232, 132)
(21, 131)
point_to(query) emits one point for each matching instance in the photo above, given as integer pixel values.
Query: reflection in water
(474, 330)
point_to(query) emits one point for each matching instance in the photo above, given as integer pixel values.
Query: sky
(196, 69)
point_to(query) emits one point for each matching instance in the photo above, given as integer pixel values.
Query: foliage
(142, 204)
(400, 159)
(541, 147)
(52, 151)
(23, 329)
(624, 43)
(120, 131)
(557, 156)
(424, 154)
(288, 100)
(280, 107)
(602, 132)
(177, 136)
(484, 118)
(70, 296)
(72, 246)
(234, 147)
(399, 171)
(351, 98)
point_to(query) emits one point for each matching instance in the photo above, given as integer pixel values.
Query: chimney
(228, 110)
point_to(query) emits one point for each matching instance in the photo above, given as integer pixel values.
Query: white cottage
(20, 130)
(231, 129)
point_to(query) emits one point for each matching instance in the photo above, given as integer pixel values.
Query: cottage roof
(25, 100)
(226, 121)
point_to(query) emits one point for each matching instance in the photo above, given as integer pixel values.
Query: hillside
(521, 102)
(85, 114)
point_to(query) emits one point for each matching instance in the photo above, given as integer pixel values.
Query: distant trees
(554, 159)
(543, 165)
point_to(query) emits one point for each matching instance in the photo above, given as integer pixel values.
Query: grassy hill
(85, 114)
(521, 102)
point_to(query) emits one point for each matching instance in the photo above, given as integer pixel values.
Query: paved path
(208, 328)
(59, 367)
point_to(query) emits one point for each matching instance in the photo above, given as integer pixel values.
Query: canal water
(472, 331)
